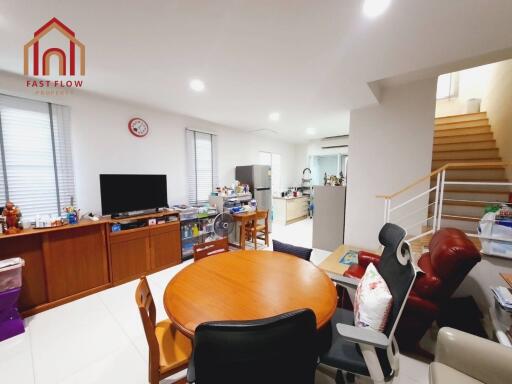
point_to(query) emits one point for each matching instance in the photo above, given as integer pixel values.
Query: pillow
(303, 253)
(373, 301)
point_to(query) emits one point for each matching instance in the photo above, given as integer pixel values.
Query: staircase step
(461, 124)
(476, 174)
(479, 188)
(465, 211)
(469, 138)
(464, 117)
(473, 219)
(467, 203)
(487, 189)
(424, 241)
(470, 154)
(471, 193)
(474, 179)
(440, 162)
(485, 144)
(462, 131)
(465, 223)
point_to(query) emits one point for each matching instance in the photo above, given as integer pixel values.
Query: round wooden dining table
(247, 285)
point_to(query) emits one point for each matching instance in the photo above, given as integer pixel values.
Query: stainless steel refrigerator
(259, 179)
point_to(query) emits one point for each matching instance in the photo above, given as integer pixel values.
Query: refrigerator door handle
(263, 189)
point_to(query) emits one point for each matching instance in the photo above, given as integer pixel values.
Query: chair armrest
(347, 282)
(363, 335)
(191, 371)
(477, 357)
(428, 286)
(364, 258)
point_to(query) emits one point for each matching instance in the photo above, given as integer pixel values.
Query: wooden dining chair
(169, 349)
(210, 248)
(258, 226)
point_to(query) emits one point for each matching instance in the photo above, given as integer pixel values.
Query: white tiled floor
(99, 339)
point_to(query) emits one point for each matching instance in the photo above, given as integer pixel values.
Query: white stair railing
(427, 212)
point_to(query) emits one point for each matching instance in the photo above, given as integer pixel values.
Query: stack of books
(503, 297)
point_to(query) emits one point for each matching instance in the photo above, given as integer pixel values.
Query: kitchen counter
(290, 209)
(289, 197)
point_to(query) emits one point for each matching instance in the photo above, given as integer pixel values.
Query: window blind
(201, 165)
(63, 158)
(37, 172)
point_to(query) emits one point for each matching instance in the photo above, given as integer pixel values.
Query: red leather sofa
(450, 257)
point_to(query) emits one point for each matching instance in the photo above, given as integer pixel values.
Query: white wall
(497, 101)
(102, 144)
(240, 148)
(314, 148)
(390, 146)
(473, 84)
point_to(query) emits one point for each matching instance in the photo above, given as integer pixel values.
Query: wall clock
(138, 127)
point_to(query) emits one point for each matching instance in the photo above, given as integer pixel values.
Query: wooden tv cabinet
(66, 263)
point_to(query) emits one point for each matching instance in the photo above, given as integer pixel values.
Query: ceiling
(310, 60)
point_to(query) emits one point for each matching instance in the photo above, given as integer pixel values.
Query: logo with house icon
(65, 54)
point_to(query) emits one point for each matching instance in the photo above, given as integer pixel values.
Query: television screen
(127, 193)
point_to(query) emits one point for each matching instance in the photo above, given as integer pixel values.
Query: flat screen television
(121, 194)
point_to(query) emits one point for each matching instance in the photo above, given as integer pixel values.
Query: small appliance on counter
(220, 201)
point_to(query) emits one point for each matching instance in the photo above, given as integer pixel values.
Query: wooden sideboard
(136, 251)
(66, 263)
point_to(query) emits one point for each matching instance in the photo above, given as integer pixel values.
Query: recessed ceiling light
(274, 116)
(310, 131)
(197, 85)
(373, 8)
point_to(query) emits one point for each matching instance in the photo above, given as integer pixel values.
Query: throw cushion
(373, 301)
(303, 253)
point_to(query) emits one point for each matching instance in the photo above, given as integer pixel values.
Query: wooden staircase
(467, 138)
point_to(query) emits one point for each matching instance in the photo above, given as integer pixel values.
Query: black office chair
(303, 253)
(276, 350)
(363, 351)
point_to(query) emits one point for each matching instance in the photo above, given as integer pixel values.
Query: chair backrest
(147, 310)
(279, 349)
(303, 253)
(395, 266)
(262, 215)
(210, 248)
(452, 255)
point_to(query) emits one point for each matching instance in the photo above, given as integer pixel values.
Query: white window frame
(22, 150)
(453, 86)
(195, 160)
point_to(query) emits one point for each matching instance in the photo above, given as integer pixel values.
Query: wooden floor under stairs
(419, 246)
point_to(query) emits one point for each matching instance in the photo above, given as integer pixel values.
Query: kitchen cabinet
(290, 209)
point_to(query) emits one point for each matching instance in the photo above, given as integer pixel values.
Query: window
(36, 169)
(448, 85)
(202, 165)
(274, 160)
